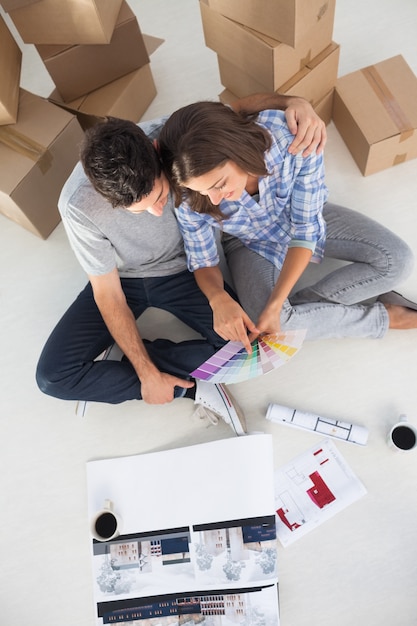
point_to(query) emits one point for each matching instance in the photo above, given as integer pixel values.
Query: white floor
(360, 567)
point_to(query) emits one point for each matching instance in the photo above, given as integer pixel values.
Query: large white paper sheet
(198, 532)
(220, 480)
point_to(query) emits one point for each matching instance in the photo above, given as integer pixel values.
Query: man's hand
(158, 387)
(308, 128)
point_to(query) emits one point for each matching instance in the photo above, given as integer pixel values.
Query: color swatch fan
(232, 364)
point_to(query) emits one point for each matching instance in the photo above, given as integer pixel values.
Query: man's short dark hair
(120, 161)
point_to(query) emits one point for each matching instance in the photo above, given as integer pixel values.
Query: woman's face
(226, 182)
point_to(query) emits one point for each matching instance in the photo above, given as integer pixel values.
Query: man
(120, 221)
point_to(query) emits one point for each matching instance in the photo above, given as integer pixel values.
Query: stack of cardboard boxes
(99, 62)
(274, 45)
(287, 46)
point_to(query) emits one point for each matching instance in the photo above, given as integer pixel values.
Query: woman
(236, 175)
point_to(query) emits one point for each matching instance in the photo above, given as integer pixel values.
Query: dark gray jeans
(67, 368)
(377, 261)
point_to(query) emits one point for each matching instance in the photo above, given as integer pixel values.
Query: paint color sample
(232, 364)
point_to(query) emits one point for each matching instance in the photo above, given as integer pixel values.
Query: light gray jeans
(376, 261)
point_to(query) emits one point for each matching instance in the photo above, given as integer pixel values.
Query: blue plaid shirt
(288, 211)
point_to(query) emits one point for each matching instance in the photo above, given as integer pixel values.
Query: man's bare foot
(400, 317)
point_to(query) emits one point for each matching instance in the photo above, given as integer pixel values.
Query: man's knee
(53, 382)
(45, 380)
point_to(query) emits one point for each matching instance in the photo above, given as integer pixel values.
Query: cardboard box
(317, 79)
(237, 81)
(10, 66)
(77, 70)
(37, 154)
(269, 62)
(288, 21)
(227, 97)
(127, 97)
(152, 43)
(67, 21)
(9, 5)
(375, 111)
(313, 82)
(323, 107)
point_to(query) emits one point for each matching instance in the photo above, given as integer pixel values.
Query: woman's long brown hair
(203, 136)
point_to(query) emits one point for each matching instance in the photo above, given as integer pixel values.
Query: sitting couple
(265, 190)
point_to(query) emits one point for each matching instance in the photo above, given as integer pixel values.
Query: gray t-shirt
(140, 245)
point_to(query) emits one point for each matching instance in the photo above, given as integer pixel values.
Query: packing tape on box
(389, 102)
(27, 147)
(305, 60)
(400, 158)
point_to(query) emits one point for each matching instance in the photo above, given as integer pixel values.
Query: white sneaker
(214, 402)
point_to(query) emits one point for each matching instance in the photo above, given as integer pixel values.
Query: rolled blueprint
(321, 425)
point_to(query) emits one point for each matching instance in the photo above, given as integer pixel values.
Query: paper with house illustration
(312, 488)
(198, 536)
(232, 364)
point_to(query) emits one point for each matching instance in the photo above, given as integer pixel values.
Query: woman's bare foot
(400, 317)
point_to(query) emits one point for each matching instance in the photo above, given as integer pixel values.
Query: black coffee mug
(403, 435)
(106, 524)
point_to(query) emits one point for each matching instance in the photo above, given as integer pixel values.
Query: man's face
(155, 201)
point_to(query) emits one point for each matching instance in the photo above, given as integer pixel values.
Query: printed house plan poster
(198, 542)
(311, 489)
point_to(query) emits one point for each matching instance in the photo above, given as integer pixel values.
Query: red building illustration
(319, 492)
